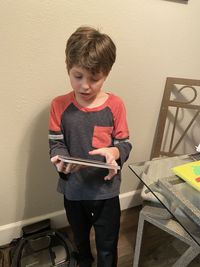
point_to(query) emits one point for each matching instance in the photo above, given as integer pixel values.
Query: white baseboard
(58, 219)
(130, 199)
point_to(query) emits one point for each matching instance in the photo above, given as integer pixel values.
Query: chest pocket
(102, 136)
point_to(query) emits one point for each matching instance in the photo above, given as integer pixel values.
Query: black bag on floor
(5, 254)
(40, 246)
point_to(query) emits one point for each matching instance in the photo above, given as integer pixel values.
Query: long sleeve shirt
(75, 130)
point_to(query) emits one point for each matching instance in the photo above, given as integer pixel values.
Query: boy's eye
(78, 77)
(94, 79)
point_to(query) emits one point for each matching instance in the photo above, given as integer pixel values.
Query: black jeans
(104, 216)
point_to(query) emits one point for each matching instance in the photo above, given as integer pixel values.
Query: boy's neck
(93, 103)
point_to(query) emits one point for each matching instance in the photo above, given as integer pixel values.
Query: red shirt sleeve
(119, 114)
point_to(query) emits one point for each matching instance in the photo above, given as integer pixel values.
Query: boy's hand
(65, 167)
(111, 154)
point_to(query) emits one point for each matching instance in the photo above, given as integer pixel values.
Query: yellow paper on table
(190, 172)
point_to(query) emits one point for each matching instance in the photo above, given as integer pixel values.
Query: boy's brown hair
(91, 50)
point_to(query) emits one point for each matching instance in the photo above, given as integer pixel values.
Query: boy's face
(86, 86)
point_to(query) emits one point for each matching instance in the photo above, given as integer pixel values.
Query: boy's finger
(60, 166)
(96, 151)
(68, 168)
(102, 152)
(110, 174)
(55, 159)
(75, 168)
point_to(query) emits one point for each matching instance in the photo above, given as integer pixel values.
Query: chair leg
(138, 240)
(183, 260)
(187, 257)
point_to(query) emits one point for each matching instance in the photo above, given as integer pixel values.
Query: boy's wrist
(116, 153)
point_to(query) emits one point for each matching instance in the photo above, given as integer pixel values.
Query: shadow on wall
(40, 179)
(178, 1)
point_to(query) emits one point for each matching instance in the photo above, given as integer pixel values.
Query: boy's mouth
(85, 94)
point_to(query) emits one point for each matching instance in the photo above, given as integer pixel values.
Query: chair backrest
(178, 126)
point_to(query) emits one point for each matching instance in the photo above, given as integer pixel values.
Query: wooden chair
(175, 134)
(178, 123)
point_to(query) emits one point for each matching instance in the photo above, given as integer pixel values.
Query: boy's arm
(124, 148)
(121, 131)
(56, 140)
(56, 144)
(57, 147)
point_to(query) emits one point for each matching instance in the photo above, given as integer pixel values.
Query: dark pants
(104, 216)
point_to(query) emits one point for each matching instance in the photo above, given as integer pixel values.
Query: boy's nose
(85, 85)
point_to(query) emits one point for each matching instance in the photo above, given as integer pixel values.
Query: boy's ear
(68, 71)
(106, 75)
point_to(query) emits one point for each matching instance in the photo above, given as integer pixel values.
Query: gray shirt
(75, 130)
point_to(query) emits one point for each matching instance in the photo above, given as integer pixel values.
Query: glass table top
(161, 186)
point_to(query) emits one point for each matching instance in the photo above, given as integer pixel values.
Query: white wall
(154, 38)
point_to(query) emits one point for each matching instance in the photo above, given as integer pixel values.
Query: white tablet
(89, 162)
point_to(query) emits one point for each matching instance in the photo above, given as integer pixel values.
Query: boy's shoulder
(116, 105)
(61, 102)
(63, 98)
(115, 99)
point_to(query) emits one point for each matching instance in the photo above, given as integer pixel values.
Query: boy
(90, 123)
